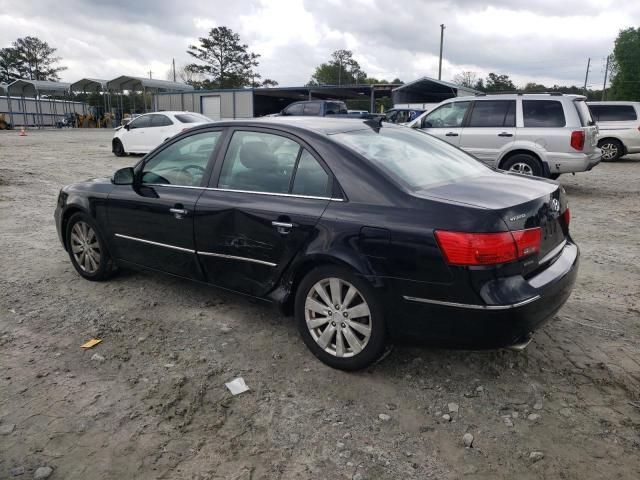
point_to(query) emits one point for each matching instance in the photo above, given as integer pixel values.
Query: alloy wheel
(85, 247)
(338, 317)
(521, 168)
(609, 151)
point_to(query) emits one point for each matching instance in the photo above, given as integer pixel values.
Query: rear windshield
(613, 113)
(414, 159)
(190, 118)
(583, 111)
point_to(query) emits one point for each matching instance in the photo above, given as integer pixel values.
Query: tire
(612, 149)
(118, 148)
(345, 347)
(523, 164)
(87, 249)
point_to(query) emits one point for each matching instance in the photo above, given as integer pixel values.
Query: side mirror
(124, 176)
(126, 126)
(426, 124)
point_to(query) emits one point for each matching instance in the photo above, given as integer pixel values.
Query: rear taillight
(461, 248)
(566, 216)
(577, 139)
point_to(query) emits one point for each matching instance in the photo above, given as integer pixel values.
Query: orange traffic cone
(23, 133)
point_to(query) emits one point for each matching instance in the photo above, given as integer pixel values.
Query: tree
(342, 69)
(499, 83)
(9, 65)
(226, 61)
(466, 79)
(36, 60)
(267, 82)
(625, 81)
(186, 75)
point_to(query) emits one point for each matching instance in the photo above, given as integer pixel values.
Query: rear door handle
(451, 134)
(282, 227)
(505, 134)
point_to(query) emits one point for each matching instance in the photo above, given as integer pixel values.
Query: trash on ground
(237, 386)
(91, 343)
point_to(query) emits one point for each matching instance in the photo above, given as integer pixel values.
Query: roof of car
(512, 96)
(322, 125)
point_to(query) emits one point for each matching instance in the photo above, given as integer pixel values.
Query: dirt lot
(154, 405)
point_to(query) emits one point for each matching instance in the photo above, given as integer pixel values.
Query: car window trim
(215, 176)
(139, 168)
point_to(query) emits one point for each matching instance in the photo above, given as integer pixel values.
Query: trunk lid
(521, 202)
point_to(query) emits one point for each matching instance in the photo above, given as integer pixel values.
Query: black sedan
(364, 231)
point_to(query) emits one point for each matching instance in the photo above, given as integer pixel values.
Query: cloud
(531, 40)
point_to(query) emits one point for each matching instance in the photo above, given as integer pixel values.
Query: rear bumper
(499, 322)
(574, 162)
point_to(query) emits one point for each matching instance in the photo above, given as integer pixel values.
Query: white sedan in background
(147, 131)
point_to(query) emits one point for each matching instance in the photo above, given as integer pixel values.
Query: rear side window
(493, 113)
(190, 118)
(613, 113)
(543, 113)
(310, 178)
(259, 162)
(160, 121)
(312, 109)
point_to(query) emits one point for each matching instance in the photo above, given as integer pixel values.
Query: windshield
(191, 118)
(414, 159)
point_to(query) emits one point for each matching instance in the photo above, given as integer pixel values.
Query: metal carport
(141, 84)
(93, 85)
(429, 90)
(35, 88)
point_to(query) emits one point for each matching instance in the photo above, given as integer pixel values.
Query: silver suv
(532, 134)
(618, 126)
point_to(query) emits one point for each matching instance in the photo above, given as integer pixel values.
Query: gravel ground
(150, 402)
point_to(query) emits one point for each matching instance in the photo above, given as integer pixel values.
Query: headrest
(256, 155)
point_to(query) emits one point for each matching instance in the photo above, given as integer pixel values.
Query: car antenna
(374, 122)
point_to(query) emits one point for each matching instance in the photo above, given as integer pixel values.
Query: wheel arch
(544, 166)
(613, 137)
(68, 213)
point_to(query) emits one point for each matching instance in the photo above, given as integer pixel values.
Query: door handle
(282, 227)
(451, 134)
(505, 134)
(179, 212)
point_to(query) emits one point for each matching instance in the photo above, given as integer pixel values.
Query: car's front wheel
(118, 148)
(87, 249)
(612, 149)
(340, 319)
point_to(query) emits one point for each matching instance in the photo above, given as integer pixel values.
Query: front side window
(295, 109)
(543, 113)
(140, 122)
(493, 113)
(411, 158)
(312, 109)
(449, 115)
(160, 121)
(259, 162)
(183, 162)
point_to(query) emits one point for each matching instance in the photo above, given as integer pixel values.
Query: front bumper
(498, 322)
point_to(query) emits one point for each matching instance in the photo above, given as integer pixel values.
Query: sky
(546, 41)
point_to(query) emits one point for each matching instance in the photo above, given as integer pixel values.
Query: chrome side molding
(470, 305)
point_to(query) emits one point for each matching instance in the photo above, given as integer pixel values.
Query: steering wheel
(199, 169)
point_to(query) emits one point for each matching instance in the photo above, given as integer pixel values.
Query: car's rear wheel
(612, 149)
(523, 164)
(340, 319)
(87, 249)
(118, 148)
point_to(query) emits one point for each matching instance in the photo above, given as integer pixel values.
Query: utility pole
(173, 62)
(604, 85)
(586, 77)
(150, 72)
(442, 27)
(339, 71)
